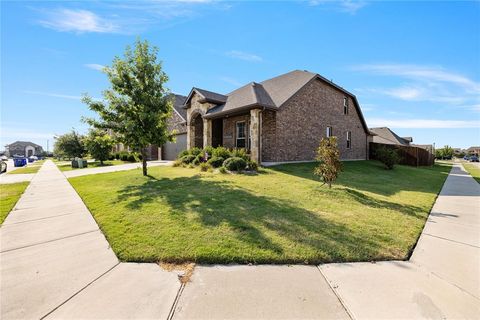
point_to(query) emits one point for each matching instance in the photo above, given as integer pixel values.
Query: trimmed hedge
(235, 164)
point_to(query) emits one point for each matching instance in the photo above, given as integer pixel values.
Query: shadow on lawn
(283, 233)
(371, 176)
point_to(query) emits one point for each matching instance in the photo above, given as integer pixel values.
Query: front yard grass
(30, 168)
(63, 166)
(281, 215)
(9, 195)
(473, 170)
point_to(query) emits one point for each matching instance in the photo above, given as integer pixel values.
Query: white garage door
(171, 150)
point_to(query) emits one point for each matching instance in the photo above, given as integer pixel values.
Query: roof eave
(238, 110)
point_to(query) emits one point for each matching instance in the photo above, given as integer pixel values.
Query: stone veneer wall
(175, 122)
(297, 128)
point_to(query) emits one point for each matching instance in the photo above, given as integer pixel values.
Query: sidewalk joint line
(337, 294)
(76, 293)
(175, 302)
(37, 219)
(455, 241)
(53, 240)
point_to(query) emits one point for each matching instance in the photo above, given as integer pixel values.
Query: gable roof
(271, 94)
(387, 136)
(178, 103)
(23, 143)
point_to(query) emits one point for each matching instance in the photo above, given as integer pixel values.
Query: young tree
(138, 105)
(99, 144)
(69, 145)
(448, 151)
(329, 158)
(388, 156)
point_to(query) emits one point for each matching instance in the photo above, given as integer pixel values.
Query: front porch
(233, 131)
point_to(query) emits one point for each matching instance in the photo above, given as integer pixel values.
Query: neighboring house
(386, 136)
(280, 119)
(428, 147)
(23, 148)
(177, 122)
(473, 150)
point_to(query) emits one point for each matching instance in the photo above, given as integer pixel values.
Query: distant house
(23, 148)
(473, 150)
(386, 136)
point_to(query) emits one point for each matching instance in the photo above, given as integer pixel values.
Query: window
(345, 105)
(349, 139)
(329, 132)
(240, 134)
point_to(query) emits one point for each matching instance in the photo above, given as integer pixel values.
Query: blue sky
(414, 66)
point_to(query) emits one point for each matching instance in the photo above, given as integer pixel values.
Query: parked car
(466, 158)
(3, 167)
(473, 159)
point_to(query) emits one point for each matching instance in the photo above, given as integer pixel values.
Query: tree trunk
(144, 162)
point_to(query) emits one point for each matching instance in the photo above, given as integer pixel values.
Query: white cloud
(95, 66)
(423, 123)
(79, 21)
(231, 81)
(423, 83)
(243, 56)
(55, 95)
(348, 6)
(24, 134)
(421, 73)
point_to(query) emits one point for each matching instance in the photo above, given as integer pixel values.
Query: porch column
(255, 135)
(207, 132)
(190, 136)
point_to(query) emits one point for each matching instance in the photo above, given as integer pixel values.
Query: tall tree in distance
(137, 105)
(99, 144)
(69, 145)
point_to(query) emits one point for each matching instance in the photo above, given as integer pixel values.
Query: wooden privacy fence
(409, 155)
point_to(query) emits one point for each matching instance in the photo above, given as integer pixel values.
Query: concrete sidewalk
(442, 278)
(56, 263)
(120, 167)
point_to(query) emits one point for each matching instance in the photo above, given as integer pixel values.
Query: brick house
(23, 148)
(280, 119)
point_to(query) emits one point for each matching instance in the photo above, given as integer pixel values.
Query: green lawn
(9, 195)
(64, 166)
(31, 168)
(281, 215)
(473, 170)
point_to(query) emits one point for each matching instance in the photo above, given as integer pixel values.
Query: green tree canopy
(99, 144)
(69, 145)
(137, 105)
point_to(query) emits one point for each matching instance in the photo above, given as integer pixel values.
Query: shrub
(131, 158)
(222, 170)
(252, 165)
(209, 150)
(183, 153)
(187, 159)
(329, 157)
(204, 166)
(198, 159)
(124, 156)
(221, 152)
(177, 163)
(111, 157)
(195, 151)
(235, 164)
(389, 157)
(117, 155)
(240, 153)
(216, 161)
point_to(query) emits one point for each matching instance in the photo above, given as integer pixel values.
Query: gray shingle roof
(271, 93)
(387, 136)
(24, 143)
(249, 95)
(178, 105)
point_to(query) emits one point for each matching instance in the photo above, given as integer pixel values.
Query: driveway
(56, 263)
(120, 167)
